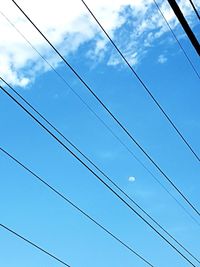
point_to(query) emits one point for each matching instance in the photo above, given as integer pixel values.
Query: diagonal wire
(89, 217)
(142, 83)
(195, 10)
(94, 165)
(67, 200)
(184, 24)
(111, 114)
(175, 37)
(94, 173)
(34, 245)
(96, 115)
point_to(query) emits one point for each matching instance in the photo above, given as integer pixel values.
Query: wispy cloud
(107, 155)
(135, 25)
(162, 59)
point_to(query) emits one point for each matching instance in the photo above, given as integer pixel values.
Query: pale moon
(131, 179)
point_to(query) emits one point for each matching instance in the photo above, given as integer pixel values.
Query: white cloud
(68, 25)
(131, 179)
(162, 59)
(107, 155)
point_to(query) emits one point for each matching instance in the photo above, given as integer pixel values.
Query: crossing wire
(95, 174)
(84, 213)
(111, 114)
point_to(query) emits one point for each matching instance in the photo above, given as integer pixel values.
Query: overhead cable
(195, 9)
(185, 25)
(111, 114)
(97, 116)
(94, 173)
(67, 200)
(42, 180)
(34, 245)
(142, 83)
(175, 37)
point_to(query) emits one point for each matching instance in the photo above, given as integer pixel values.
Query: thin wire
(75, 206)
(94, 173)
(142, 83)
(62, 196)
(111, 114)
(170, 28)
(195, 10)
(106, 176)
(96, 115)
(34, 245)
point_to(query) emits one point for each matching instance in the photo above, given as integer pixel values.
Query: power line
(185, 25)
(96, 115)
(102, 172)
(141, 82)
(111, 114)
(105, 175)
(195, 9)
(68, 201)
(93, 164)
(34, 245)
(94, 173)
(76, 207)
(178, 42)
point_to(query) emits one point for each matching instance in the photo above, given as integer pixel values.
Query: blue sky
(31, 209)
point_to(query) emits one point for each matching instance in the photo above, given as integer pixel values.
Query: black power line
(84, 213)
(97, 116)
(111, 114)
(76, 207)
(94, 173)
(175, 37)
(185, 25)
(142, 83)
(195, 9)
(104, 174)
(34, 245)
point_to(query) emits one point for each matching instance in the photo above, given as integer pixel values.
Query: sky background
(34, 211)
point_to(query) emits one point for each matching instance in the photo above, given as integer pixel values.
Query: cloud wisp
(162, 59)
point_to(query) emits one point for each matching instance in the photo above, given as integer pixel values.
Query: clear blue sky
(35, 212)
